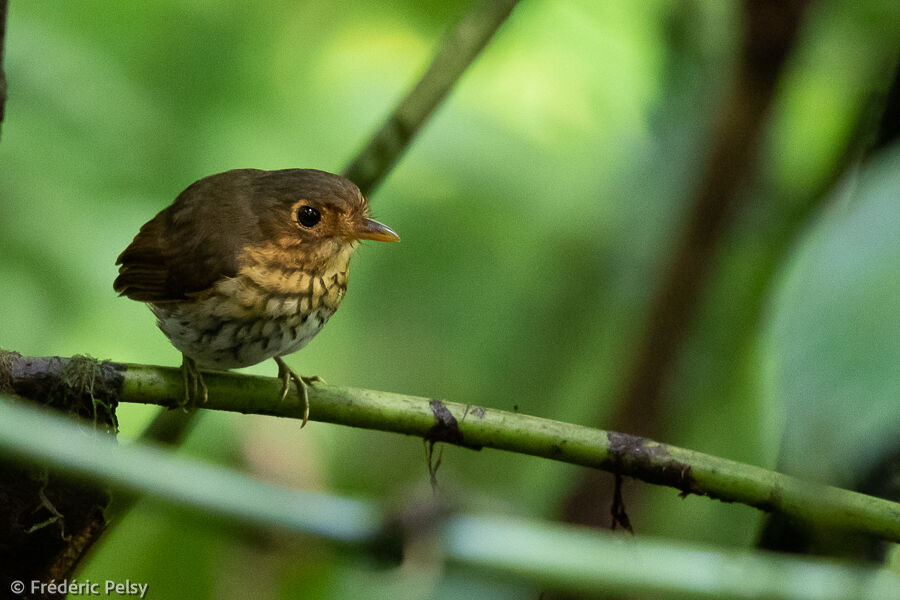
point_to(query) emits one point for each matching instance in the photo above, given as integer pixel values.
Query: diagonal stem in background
(459, 48)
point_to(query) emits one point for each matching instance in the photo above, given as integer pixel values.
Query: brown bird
(248, 265)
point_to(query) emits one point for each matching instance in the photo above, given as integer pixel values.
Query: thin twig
(459, 48)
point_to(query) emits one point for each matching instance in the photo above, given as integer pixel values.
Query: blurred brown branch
(771, 27)
(770, 32)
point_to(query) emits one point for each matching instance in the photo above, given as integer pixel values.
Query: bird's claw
(193, 383)
(287, 374)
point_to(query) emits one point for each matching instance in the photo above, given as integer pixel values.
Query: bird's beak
(373, 230)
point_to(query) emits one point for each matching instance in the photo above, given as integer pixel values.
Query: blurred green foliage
(536, 208)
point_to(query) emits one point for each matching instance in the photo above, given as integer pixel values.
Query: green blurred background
(537, 210)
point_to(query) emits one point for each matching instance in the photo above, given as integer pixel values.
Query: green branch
(481, 427)
(562, 557)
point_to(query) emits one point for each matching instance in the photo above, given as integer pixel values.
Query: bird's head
(314, 215)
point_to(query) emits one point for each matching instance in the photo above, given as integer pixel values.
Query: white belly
(218, 342)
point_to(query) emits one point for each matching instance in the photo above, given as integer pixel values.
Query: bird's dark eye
(308, 216)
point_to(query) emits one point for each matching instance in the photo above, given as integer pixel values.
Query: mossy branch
(479, 427)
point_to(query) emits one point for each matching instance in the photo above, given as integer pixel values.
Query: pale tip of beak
(373, 230)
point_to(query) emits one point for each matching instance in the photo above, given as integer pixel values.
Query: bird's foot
(286, 374)
(195, 390)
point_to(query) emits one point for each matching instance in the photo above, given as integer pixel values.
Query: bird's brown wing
(143, 265)
(202, 236)
(182, 251)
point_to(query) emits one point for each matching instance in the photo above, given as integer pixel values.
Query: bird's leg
(287, 374)
(193, 383)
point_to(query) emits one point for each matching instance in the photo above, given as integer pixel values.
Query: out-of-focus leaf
(834, 333)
